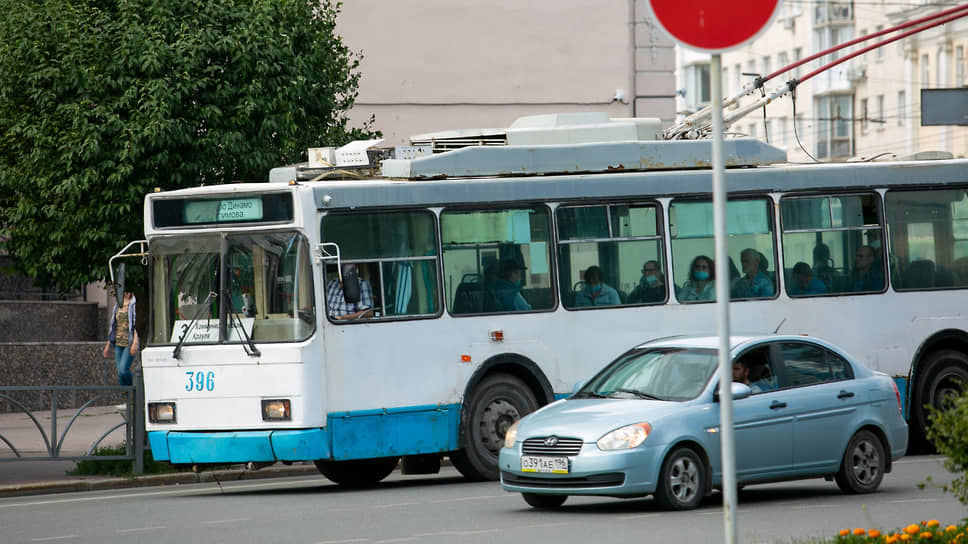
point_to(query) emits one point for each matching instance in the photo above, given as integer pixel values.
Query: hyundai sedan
(648, 424)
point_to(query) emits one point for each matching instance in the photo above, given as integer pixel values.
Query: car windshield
(663, 374)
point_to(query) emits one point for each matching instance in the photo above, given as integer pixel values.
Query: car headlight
(626, 437)
(511, 435)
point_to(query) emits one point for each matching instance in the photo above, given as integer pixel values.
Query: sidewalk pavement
(28, 475)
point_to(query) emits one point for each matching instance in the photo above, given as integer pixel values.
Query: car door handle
(845, 394)
(777, 404)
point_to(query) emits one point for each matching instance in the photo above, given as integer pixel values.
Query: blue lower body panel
(349, 435)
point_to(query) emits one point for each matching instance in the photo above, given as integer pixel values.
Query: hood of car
(589, 419)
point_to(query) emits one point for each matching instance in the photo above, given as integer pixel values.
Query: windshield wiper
(234, 317)
(588, 395)
(637, 393)
(206, 306)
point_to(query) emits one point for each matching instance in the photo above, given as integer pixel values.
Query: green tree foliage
(101, 101)
(949, 433)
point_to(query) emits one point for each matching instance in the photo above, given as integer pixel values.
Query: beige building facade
(432, 65)
(866, 107)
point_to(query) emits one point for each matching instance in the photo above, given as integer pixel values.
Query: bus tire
(357, 472)
(942, 375)
(498, 401)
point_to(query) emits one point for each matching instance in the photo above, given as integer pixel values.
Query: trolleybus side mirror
(119, 285)
(351, 284)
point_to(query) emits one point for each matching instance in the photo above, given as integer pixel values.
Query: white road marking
(141, 529)
(51, 538)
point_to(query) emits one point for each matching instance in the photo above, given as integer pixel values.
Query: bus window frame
(878, 194)
(549, 206)
(660, 235)
(772, 202)
(379, 262)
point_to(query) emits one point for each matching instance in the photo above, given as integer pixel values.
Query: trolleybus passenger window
(929, 238)
(838, 238)
(496, 260)
(752, 256)
(610, 254)
(395, 254)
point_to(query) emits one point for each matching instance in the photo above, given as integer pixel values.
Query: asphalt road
(443, 508)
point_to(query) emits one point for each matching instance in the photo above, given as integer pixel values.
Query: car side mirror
(351, 284)
(740, 391)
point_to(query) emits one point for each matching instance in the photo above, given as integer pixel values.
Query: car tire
(357, 472)
(682, 480)
(544, 501)
(863, 464)
(497, 402)
(941, 375)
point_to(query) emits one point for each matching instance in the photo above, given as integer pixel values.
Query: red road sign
(713, 25)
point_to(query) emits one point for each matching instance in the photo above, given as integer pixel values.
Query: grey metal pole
(138, 410)
(722, 306)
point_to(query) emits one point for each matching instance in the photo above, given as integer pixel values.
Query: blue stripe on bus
(350, 435)
(394, 431)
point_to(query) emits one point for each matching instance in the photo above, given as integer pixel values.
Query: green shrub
(118, 467)
(949, 433)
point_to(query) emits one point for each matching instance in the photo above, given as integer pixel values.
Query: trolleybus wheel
(497, 402)
(357, 472)
(942, 376)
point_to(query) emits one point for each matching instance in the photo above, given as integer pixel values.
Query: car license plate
(533, 463)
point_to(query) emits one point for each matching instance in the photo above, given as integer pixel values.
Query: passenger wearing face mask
(595, 292)
(651, 287)
(700, 285)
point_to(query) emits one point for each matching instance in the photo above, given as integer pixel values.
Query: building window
(901, 108)
(938, 60)
(767, 66)
(834, 121)
(925, 72)
(863, 112)
(797, 55)
(697, 86)
(879, 52)
(959, 66)
(879, 111)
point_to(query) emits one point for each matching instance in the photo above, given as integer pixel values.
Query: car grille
(561, 446)
(610, 479)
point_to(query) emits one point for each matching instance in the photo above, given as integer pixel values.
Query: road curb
(149, 480)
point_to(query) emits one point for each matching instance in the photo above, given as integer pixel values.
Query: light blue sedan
(648, 423)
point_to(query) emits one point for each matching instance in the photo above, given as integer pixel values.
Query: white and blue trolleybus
(487, 272)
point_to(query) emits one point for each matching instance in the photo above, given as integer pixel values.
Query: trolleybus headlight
(626, 437)
(511, 435)
(275, 410)
(161, 412)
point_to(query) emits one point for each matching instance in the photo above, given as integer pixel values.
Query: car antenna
(782, 321)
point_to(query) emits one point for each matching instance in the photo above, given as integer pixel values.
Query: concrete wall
(431, 65)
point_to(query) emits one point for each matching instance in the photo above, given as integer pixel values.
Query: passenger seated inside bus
(754, 283)
(700, 285)
(337, 306)
(822, 269)
(594, 292)
(867, 274)
(507, 287)
(803, 282)
(651, 287)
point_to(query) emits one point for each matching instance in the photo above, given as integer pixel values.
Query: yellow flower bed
(916, 533)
